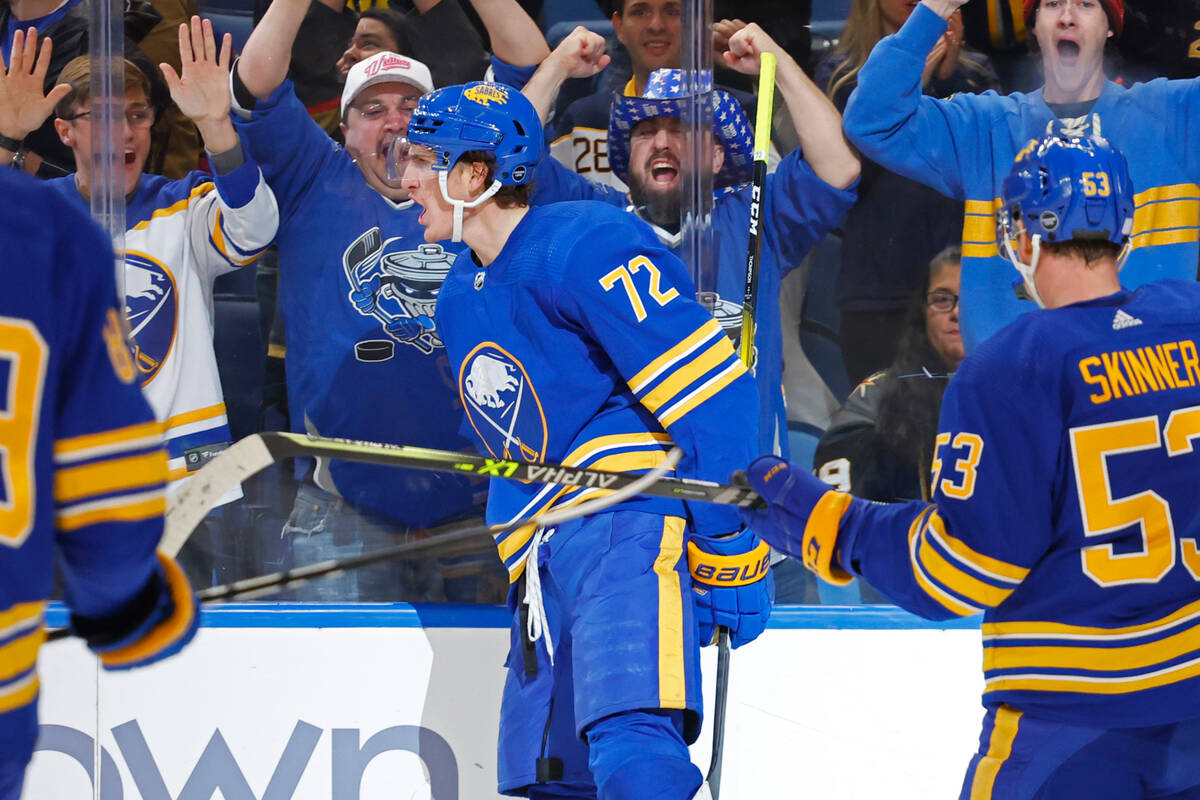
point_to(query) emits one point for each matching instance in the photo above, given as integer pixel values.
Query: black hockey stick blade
(713, 778)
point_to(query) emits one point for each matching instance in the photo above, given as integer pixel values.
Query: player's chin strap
(1026, 270)
(459, 205)
(538, 626)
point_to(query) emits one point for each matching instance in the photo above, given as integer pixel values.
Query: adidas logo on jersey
(1123, 319)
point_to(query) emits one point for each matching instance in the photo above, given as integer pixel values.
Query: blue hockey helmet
(478, 116)
(1063, 188)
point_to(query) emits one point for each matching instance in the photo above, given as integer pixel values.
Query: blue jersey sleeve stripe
(718, 353)
(20, 618)
(702, 394)
(928, 585)
(228, 250)
(72, 484)
(123, 508)
(652, 371)
(76, 449)
(985, 566)
(19, 654)
(950, 575)
(19, 693)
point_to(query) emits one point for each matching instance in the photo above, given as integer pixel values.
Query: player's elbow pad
(155, 624)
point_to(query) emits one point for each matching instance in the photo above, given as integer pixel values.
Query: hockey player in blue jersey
(1065, 505)
(806, 196)
(357, 289)
(82, 465)
(964, 146)
(574, 337)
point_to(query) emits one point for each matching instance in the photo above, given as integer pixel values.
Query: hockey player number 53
(22, 365)
(624, 275)
(1102, 513)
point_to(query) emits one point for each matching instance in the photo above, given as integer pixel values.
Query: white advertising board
(366, 712)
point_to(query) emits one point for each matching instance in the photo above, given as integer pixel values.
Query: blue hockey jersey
(964, 147)
(353, 374)
(1066, 508)
(582, 344)
(800, 209)
(82, 466)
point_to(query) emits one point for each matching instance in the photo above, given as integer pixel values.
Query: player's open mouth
(1068, 51)
(663, 171)
(129, 158)
(657, 47)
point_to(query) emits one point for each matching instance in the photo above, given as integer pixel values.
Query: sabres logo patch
(487, 93)
(502, 404)
(152, 308)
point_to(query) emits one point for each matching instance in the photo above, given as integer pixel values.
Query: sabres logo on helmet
(151, 306)
(502, 404)
(487, 93)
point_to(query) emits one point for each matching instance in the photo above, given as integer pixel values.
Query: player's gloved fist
(364, 297)
(409, 330)
(732, 585)
(154, 624)
(801, 517)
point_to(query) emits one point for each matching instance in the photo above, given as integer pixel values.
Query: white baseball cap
(385, 67)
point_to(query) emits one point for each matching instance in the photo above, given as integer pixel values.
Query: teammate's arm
(967, 551)
(818, 123)
(131, 605)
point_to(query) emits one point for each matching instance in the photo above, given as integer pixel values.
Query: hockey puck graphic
(374, 350)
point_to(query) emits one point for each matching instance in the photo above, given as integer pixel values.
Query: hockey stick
(453, 540)
(762, 143)
(258, 451)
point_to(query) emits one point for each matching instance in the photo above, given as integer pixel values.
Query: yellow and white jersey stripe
(115, 476)
(683, 378)
(21, 634)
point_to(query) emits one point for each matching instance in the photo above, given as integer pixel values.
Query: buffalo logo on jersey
(151, 307)
(397, 287)
(487, 93)
(502, 404)
(729, 316)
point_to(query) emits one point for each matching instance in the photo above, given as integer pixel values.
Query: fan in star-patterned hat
(664, 97)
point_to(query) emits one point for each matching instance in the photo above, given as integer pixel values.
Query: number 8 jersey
(581, 343)
(1066, 481)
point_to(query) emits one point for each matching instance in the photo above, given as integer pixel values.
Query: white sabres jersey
(180, 236)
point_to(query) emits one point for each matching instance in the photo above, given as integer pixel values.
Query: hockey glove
(802, 515)
(732, 585)
(155, 624)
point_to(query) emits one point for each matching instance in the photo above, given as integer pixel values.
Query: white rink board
(306, 713)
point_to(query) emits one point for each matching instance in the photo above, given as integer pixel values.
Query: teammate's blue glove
(409, 330)
(802, 515)
(364, 297)
(732, 585)
(157, 623)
